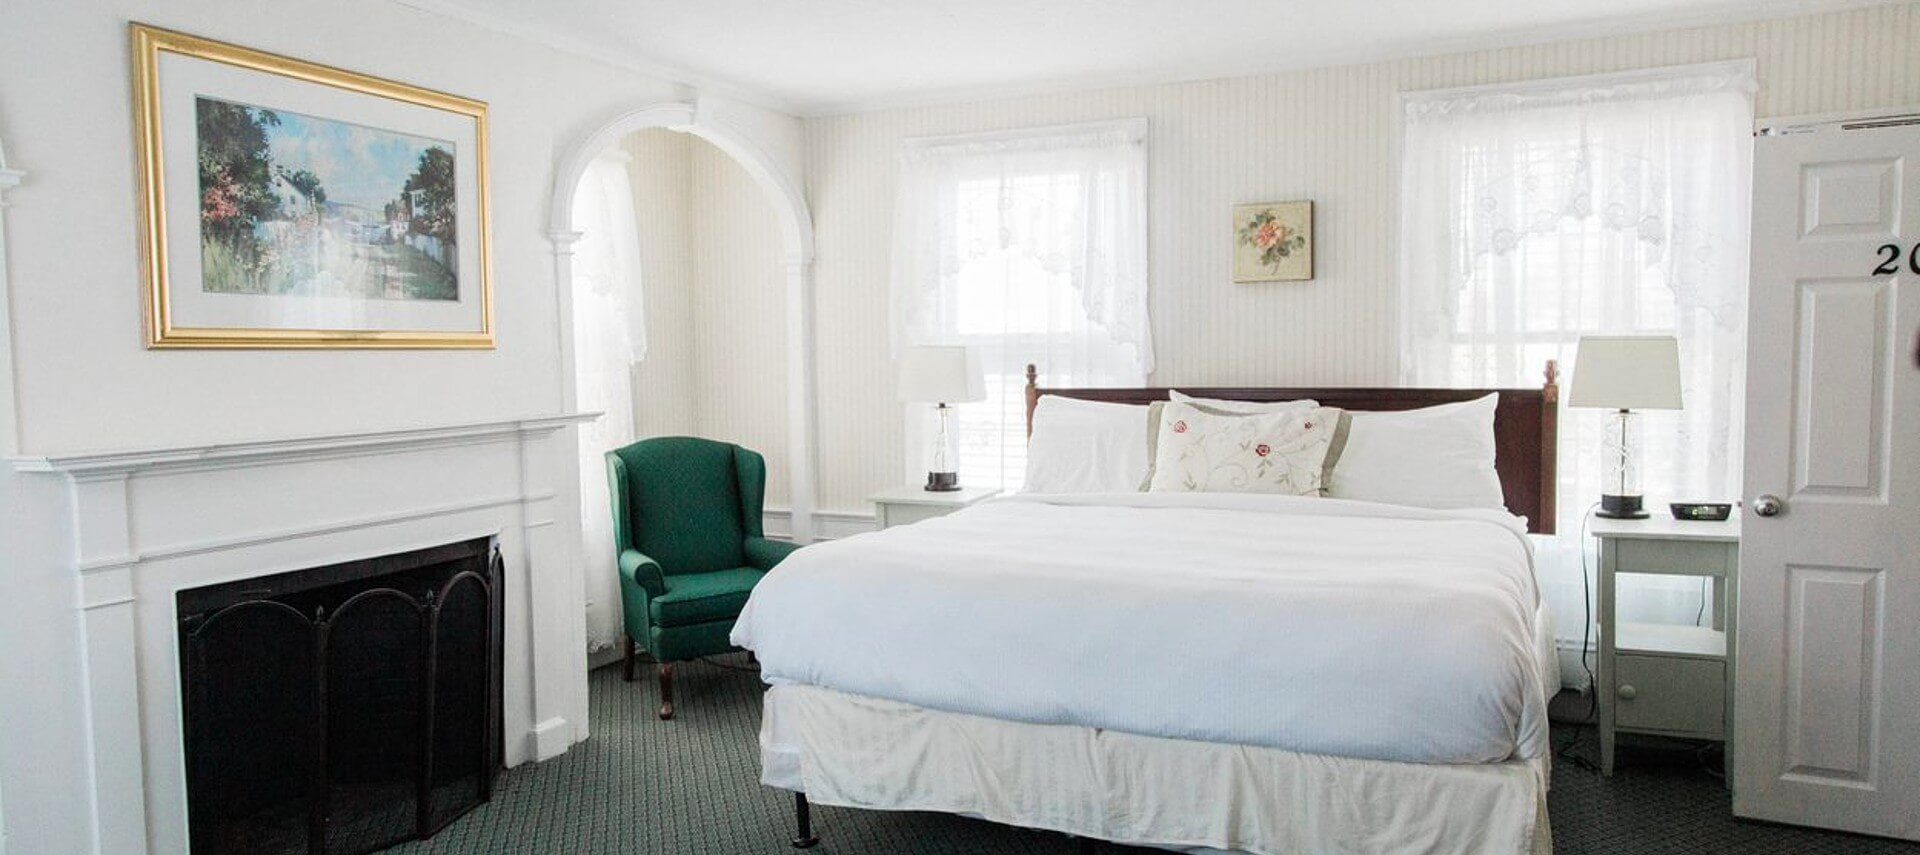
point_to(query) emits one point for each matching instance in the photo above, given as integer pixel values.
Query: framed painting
(1273, 242)
(289, 204)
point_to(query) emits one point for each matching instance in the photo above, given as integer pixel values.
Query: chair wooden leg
(629, 665)
(666, 691)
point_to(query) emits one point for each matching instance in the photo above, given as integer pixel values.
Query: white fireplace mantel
(147, 523)
(97, 464)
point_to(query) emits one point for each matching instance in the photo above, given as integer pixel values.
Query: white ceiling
(826, 56)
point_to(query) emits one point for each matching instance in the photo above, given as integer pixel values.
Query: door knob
(1768, 505)
(1627, 692)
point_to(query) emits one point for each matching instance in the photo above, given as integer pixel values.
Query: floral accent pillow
(1215, 407)
(1287, 452)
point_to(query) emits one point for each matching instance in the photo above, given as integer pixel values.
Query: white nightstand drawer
(1671, 694)
(1673, 557)
(904, 514)
(912, 504)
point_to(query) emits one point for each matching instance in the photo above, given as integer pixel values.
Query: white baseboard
(604, 657)
(550, 738)
(828, 525)
(1572, 674)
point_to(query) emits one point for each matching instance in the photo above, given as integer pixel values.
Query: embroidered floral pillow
(1282, 452)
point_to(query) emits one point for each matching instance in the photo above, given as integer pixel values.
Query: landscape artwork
(1273, 242)
(302, 205)
(287, 204)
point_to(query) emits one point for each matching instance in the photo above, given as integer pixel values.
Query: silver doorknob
(1768, 505)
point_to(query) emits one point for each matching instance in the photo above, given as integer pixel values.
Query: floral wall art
(1273, 242)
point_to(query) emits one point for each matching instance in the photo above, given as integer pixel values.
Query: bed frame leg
(803, 818)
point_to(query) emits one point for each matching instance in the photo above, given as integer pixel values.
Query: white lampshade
(1627, 372)
(941, 374)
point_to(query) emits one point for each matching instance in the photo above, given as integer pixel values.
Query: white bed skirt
(851, 751)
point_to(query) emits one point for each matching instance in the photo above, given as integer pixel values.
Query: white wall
(1328, 135)
(76, 259)
(85, 382)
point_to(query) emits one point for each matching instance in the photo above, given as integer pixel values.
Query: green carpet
(691, 787)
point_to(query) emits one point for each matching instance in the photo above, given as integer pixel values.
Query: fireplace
(342, 709)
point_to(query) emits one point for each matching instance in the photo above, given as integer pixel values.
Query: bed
(1197, 671)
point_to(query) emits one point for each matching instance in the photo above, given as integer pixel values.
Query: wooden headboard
(1526, 430)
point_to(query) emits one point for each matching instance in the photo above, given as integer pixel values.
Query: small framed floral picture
(1273, 242)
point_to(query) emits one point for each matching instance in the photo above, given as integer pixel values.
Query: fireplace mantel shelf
(109, 464)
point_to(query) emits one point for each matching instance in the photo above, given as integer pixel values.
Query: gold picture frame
(1273, 242)
(385, 270)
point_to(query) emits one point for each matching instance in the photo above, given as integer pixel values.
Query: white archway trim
(9, 400)
(9, 421)
(786, 192)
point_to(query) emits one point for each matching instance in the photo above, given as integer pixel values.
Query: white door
(1827, 701)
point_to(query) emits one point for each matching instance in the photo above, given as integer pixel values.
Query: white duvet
(1320, 626)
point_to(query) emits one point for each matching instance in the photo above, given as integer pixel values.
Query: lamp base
(1620, 507)
(946, 482)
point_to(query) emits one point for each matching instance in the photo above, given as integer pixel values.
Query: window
(1031, 248)
(1535, 214)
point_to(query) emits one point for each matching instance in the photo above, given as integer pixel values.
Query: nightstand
(913, 504)
(1667, 679)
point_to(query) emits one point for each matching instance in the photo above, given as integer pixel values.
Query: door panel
(1840, 397)
(1847, 200)
(1833, 702)
(1827, 655)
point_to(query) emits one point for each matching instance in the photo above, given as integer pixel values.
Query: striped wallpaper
(715, 301)
(740, 326)
(663, 381)
(1328, 135)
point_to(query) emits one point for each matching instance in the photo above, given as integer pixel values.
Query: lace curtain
(1031, 247)
(609, 338)
(1535, 214)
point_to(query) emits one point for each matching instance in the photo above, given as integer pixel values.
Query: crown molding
(701, 83)
(1728, 13)
(1732, 12)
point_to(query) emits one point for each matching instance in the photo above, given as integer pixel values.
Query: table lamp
(1625, 373)
(942, 375)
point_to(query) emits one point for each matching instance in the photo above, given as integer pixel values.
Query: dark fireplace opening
(342, 709)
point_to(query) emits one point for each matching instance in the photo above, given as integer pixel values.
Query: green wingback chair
(686, 527)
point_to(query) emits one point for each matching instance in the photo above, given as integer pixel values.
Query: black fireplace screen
(342, 709)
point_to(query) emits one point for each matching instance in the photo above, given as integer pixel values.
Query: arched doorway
(787, 273)
(796, 225)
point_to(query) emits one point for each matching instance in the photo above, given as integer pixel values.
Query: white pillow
(1086, 447)
(1241, 408)
(1283, 452)
(1434, 457)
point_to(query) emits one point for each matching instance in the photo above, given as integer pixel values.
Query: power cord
(1586, 633)
(1701, 615)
